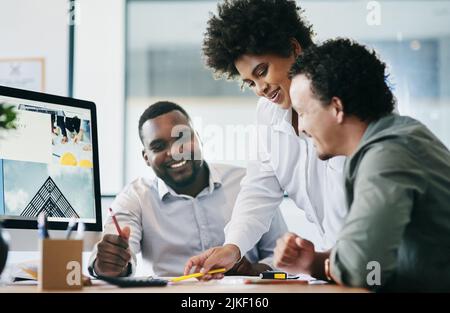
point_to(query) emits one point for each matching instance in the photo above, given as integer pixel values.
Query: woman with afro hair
(257, 42)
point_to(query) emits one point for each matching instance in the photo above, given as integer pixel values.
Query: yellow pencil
(195, 275)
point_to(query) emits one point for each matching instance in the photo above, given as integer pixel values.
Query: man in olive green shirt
(397, 177)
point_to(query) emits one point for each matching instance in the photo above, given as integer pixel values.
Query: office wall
(99, 77)
(30, 29)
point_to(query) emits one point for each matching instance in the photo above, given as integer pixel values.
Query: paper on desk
(305, 277)
(25, 270)
(28, 271)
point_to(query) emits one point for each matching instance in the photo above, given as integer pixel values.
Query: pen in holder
(61, 264)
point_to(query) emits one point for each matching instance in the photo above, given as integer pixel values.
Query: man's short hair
(157, 109)
(345, 69)
(252, 27)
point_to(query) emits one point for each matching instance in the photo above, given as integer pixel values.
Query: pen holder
(61, 266)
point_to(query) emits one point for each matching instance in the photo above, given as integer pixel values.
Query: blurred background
(126, 55)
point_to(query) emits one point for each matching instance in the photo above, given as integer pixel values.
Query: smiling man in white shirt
(181, 211)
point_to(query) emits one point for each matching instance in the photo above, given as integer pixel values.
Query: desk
(227, 285)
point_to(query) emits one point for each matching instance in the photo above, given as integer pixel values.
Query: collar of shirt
(214, 182)
(282, 122)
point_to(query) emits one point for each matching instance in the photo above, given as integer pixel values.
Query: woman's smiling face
(267, 75)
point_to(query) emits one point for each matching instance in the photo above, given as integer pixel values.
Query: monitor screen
(48, 162)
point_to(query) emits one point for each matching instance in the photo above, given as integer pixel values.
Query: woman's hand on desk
(113, 254)
(217, 257)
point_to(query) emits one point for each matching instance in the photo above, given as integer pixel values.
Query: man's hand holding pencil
(113, 252)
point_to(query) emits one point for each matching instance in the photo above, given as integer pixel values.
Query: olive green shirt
(398, 192)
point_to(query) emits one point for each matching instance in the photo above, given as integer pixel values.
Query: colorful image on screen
(46, 163)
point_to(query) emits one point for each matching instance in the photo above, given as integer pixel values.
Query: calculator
(124, 282)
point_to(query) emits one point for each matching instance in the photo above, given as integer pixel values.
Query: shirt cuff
(235, 238)
(240, 250)
(335, 268)
(130, 269)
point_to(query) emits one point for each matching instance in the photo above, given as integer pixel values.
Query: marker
(80, 231)
(273, 275)
(70, 227)
(42, 226)
(277, 281)
(119, 231)
(195, 275)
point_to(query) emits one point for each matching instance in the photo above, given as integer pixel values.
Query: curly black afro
(345, 69)
(252, 27)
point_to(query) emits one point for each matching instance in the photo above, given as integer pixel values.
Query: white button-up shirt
(168, 228)
(288, 164)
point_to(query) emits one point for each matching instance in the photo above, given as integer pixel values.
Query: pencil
(195, 275)
(115, 222)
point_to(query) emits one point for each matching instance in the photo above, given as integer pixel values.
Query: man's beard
(324, 156)
(196, 166)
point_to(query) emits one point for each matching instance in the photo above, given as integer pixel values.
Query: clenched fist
(297, 255)
(113, 254)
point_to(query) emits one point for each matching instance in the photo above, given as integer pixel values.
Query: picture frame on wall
(23, 73)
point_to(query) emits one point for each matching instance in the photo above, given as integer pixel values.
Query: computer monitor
(48, 164)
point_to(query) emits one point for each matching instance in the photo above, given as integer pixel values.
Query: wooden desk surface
(227, 285)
